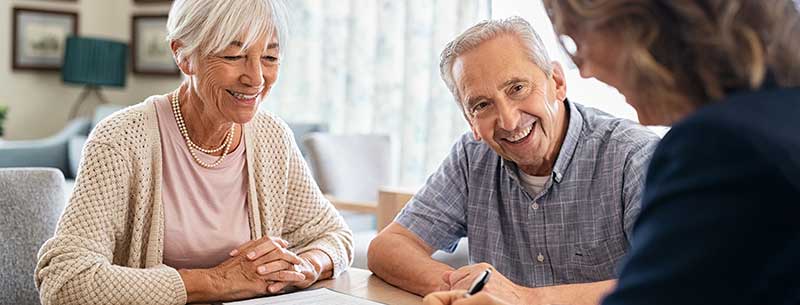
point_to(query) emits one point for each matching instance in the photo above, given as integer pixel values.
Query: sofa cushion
(32, 201)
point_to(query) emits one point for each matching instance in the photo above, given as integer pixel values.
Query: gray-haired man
(546, 190)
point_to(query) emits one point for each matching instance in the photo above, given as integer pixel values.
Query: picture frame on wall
(39, 37)
(150, 53)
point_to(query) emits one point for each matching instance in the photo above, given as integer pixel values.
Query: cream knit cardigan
(108, 246)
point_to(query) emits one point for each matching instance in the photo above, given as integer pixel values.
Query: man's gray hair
(207, 27)
(486, 30)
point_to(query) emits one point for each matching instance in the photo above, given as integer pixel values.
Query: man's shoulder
(757, 126)
(607, 128)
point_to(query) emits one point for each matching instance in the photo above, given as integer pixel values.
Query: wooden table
(361, 283)
(390, 201)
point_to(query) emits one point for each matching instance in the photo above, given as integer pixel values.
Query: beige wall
(39, 103)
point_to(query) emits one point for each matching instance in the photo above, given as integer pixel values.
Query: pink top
(205, 210)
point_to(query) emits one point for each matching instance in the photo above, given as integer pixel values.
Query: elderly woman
(195, 195)
(719, 214)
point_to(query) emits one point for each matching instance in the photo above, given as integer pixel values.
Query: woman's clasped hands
(264, 266)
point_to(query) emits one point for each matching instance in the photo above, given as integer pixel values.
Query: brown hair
(695, 51)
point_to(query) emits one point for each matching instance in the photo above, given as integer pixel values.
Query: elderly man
(546, 190)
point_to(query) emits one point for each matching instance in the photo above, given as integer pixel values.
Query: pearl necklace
(226, 145)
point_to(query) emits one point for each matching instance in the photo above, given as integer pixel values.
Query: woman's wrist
(199, 284)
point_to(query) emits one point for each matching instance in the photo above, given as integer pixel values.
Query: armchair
(61, 151)
(47, 152)
(32, 201)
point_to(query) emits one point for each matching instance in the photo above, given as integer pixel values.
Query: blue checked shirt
(575, 231)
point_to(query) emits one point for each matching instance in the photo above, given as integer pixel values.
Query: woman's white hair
(205, 27)
(486, 30)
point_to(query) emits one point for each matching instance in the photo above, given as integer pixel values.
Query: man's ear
(183, 63)
(560, 81)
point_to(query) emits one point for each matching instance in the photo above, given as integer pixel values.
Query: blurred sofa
(61, 151)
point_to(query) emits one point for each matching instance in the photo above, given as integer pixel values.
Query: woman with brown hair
(719, 213)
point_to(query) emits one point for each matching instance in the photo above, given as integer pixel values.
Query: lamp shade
(93, 61)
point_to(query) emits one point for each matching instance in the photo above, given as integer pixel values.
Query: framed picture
(39, 37)
(150, 52)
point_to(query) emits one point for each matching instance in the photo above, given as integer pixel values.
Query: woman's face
(599, 55)
(232, 83)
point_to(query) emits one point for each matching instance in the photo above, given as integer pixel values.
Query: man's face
(511, 104)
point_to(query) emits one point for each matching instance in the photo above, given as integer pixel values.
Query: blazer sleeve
(704, 230)
(76, 266)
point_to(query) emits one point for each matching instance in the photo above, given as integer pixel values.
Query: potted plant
(3, 111)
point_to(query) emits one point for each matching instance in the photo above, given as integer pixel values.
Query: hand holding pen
(479, 282)
(468, 297)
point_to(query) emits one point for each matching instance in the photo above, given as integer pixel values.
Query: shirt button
(540, 258)
(535, 206)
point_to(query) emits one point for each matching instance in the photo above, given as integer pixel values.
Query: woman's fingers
(282, 242)
(263, 247)
(284, 276)
(443, 297)
(274, 266)
(276, 287)
(246, 245)
(278, 254)
(275, 241)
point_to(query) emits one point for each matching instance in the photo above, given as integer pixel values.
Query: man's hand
(498, 286)
(456, 297)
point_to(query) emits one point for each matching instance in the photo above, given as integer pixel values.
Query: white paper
(322, 296)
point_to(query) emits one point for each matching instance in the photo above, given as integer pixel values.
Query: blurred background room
(359, 85)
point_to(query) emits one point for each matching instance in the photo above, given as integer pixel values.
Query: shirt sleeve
(705, 233)
(437, 213)
(634, 174)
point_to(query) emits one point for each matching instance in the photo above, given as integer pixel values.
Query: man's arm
(434, 219)
(504, 289)
(401, 258)
(634, 172)
(573, 294)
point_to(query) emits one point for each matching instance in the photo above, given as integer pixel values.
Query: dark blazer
(720, 219)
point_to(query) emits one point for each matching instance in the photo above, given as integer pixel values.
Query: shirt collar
(571, 140)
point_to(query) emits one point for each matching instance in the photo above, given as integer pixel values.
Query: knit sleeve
(77, 265)
(311, 220)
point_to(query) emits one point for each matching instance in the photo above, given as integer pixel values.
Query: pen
(479, 282)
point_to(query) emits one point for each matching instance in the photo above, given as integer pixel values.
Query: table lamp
(94, 63)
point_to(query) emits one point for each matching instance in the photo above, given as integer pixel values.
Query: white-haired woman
(194, 195)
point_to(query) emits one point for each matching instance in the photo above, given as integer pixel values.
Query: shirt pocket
(596, 260)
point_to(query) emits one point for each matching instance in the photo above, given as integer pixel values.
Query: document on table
(308, 297)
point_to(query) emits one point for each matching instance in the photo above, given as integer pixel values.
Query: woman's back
(719, 221)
